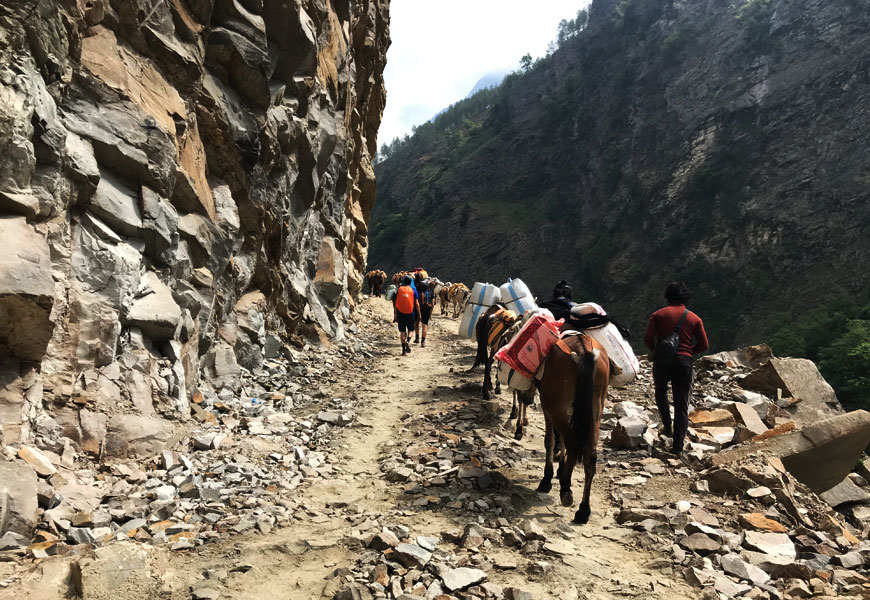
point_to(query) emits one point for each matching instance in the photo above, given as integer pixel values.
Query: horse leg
(518, 434)
(524, 410)
(549, 438)
(590, 466)
(487, 382)
(566, 470)
(514, 408)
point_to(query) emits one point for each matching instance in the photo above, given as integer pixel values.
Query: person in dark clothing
(427, 303)
(692, 340)
(561, 303)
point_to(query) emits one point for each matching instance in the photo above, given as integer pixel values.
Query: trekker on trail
(561, 303)
(417, 283)
(674, 334)
(405, 306)
(427, 303)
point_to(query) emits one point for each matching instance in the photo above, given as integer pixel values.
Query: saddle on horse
(500, 322)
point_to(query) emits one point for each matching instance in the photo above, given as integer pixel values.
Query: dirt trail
(403, 399)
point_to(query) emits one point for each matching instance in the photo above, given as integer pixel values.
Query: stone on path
(845, 492)
(718, 417)
(384, 540)
(760, 522)
(734, 565)
(461, 578)
(700, 544)
(36, 459)
(532, 530)
(748, 417)
(412, 555)
(628, 433)
(773, 544)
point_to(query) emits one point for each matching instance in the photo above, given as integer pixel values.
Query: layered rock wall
(183, 183)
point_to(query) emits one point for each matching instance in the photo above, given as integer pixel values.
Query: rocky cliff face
(183, 183)
(720, 143)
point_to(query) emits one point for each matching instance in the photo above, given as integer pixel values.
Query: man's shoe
(422, 342)
(416, 340)
(668, 431)
(408, 346)
(675, 450)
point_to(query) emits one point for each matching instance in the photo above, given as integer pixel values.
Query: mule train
(376, 280)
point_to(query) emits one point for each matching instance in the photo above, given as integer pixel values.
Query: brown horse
(489, 341)
(458, 295)
(376, 283)
(444, 297)
(573, 390)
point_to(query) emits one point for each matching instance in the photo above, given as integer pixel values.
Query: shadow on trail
(465, 460)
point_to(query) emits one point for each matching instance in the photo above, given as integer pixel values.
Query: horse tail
(482, 331)
(582, 418)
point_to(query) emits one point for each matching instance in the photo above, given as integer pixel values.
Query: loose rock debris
(458, 517)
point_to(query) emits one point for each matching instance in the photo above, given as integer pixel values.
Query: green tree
(846, 364)
(526, 62)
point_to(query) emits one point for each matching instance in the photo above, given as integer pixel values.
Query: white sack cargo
(512, 379)
(484, 294)
(521, 306)
(470, 316)
(516, 295)
(619, 350)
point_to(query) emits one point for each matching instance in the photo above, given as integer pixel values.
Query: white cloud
(440, 49)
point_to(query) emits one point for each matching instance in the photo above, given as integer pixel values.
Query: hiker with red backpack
(406, 306)
(674, 334)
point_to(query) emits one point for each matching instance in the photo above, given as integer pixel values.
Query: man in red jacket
(675, 318)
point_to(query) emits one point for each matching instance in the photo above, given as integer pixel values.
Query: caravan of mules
(376, 280)
(567, 354)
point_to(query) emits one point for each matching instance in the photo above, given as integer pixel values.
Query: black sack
(665, 353)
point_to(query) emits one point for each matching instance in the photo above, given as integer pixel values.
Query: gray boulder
(836, 443)
(137, 436)
(18, 500)
(800, 379)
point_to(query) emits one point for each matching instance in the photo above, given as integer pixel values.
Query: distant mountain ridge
(725, 145)
(491, 79)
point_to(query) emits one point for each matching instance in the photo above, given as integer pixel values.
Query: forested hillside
(718, 143)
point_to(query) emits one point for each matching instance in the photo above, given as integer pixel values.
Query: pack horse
(573, 389)
(376, 281)
(493, 330)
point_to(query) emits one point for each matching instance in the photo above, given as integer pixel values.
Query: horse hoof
(486, 395)
(514, 415)
(581, 517)
(567, 499)
(545, 486)
(525, 421)
(518, 435)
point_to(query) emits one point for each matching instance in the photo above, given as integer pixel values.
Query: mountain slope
(725, 145)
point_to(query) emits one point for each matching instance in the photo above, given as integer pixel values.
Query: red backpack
(405, 300)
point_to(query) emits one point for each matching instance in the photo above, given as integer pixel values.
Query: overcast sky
(441, 48)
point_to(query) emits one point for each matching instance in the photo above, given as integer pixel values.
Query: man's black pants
(679, 375)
